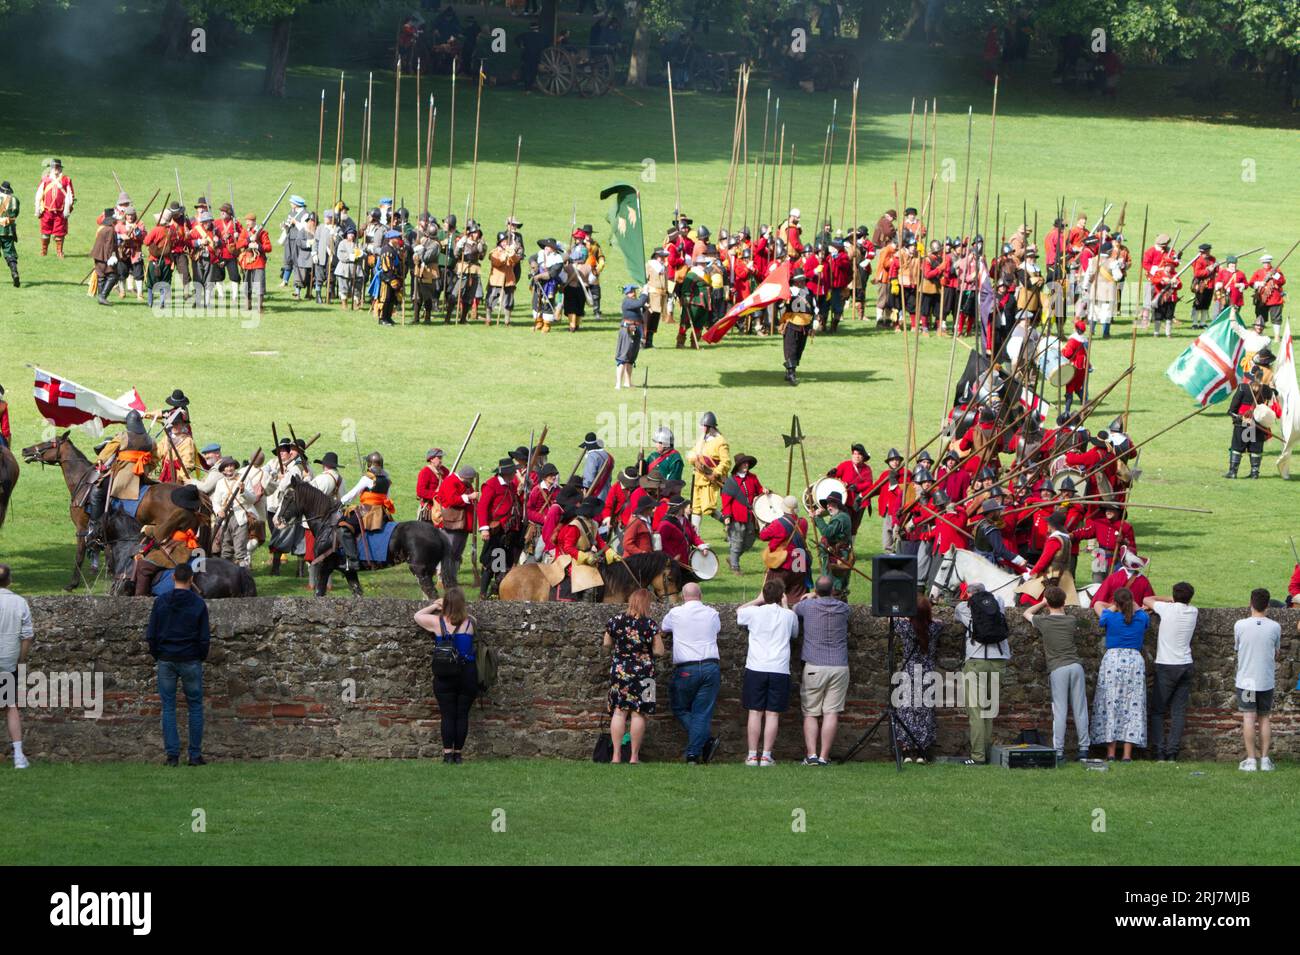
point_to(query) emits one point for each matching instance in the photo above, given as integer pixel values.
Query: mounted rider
(172, 542)
(374, 507)
(122, 469)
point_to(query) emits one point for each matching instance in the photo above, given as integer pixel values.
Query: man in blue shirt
(178, 636)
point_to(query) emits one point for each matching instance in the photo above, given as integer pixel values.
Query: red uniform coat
(778, 532)
(859, 482)
(946, 533)
(1138, 584)
(497, 502)
(1076, 353)
(451, 494)
(615, 500)
(426, 483)
(676, 537)
(841, 270)
(228, 232)
(539, 503)
(733, 507)
(890, 494)
(1232, 281)
(1261, 276)
(1109, 535)
(638, 539)
(567, 537)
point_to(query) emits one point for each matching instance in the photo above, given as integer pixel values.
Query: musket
(275, 449)
(1183, 247)
(259, 226)
(473, 547)
(465, 444)
(234, 499)
(1293, 550)
(1102, 218)
(175, 454)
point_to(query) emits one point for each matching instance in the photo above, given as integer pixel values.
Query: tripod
(888, 714)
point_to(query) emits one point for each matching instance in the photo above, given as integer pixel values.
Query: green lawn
(557, 812)
(402, 390)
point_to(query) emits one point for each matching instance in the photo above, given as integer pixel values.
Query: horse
(964, 566)
(217, 579)
(155, 504)
(418, 544)
(655, 571)
(8, 479)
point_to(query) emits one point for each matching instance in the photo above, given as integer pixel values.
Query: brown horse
(656, 572)
(78, 472)
(8, 479)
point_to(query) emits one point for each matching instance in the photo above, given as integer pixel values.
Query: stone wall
(279, 683)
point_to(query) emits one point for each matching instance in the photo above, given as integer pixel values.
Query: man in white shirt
(1258, 641)
(766, 690)
(240, 500)
(986, 662)
(15, 643)
(697, 677)
(1173, 668)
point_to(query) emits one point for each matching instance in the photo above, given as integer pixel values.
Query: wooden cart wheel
(712, 74)
(596, 76)
(556, 72)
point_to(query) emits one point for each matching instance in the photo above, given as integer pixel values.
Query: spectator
(766, 690)
(1257, 640)
(1058, 631)
(824, 686)
(987, 651)
(1173, 668)
(693, 690)
(15, 644)
(920, 636)
(178, 636)
(448, 619)
(635, 640)
(1119, 706)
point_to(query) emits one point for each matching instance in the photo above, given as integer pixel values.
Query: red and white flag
(66, 404)
(1288, 391)
(775, 288)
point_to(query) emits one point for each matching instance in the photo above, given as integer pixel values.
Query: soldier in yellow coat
(711, 460)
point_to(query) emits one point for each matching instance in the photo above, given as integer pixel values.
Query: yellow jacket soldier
(711, 460)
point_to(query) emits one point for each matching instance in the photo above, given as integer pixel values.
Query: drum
(1264, 416)
(767, 508)
(818, 490)
(1052, 366)
(704, 563)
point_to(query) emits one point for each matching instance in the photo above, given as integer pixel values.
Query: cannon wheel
(712, 73)
(596, 75)
(556, 72)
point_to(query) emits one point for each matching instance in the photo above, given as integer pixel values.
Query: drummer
(739, 492)
(856, 475)
(836, 546)
(677, 535)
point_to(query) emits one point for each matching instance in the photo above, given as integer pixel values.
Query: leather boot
(1234, 462)
(1255, 460)
(13, 270)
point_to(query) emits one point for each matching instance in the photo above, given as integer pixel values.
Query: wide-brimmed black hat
(177, 399)
(506, 464)
(834, 497)
(590, 507)
(329, 459)
(590, 442)
(186, 497)
(547, 470)
(749, 461)
(645, 504)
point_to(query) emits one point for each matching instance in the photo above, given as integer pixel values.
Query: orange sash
(187, 538)
(377, 500)
(139, 460)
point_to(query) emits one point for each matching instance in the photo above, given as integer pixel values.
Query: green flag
(1207, 369)
(625, 227)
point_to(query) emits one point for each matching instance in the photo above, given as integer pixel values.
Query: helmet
(134, 423)
(708, 420)
(664, 436)
(922, 475)
(936, 246)
(375, 459)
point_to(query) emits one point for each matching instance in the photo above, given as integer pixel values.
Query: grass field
(416, 812)
(402, 390)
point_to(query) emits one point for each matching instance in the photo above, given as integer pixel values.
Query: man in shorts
(1258, 640)
(824, 620)
(766, 690)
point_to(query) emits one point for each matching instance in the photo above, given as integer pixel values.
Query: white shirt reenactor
(241, 502)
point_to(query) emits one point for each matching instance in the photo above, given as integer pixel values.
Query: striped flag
(66, 404)
(774, 288)
(1288, 392)
(1207, 370)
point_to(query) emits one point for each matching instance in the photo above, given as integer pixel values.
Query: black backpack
(604, 750)
(988, 625)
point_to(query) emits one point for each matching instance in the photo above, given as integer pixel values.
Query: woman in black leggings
(450, 623)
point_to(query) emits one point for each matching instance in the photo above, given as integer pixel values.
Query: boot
(13, 270)
(1234, 462)
(275, 565)
(1255, 460)
(789, 375)
(58, 245)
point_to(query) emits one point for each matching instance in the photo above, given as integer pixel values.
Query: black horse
(218, 578)
(418, 544)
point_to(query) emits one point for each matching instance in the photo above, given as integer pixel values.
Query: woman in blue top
(449, 621)
(1119, 708)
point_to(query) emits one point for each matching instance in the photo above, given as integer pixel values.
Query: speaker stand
(889, 714)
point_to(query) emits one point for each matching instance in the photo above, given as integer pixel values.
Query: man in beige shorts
(824, 686)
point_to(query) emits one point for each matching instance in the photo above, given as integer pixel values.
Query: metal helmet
(708, 420)
(922, 475)
(936, 246)
(940, 499)
(664, 436)
(134, 423)
(374, 459)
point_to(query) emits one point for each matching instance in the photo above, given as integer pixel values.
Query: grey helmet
(922, 475)
(374, 459)
(664, 436)
(708, 420)
(134, 423)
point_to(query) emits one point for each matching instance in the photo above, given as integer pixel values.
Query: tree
(247, 15)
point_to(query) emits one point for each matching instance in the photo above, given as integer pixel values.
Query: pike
(772, 194)
(473, 180)
(645, 422)
(338, 144)
(365, 149)
(419, 154)
(907, 171)
(428, 153)
(451, 139)
(1102, 218)
(180, 196)
(672, 118)
(993, 131)
(762, 172)
(120, 187)
(397, 113)
(514, 189)
(1132, 347)
(970, 129)
(848, 156)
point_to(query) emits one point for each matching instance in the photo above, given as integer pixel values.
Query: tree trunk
(173, 35)
(638, 65)
(870, 15)
(549, 19)
(278, 64)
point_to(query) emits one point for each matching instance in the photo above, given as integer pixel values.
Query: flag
(1207, 370)
(1288, 393)
(626, 230)
(1030, 401)
(775, 288)
(66, 404)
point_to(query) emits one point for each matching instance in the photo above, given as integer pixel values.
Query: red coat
(539, 502)
(229, 231)
(1138, 584)
(761, 257)
(1166, 282)
(818, 281)
(742, 275)
(946, 532)
(426, 483)
(1109, 535)
(1076, 353)
(638, 539)
(734, 507)
(1232, 281)
(891, 495)
(1261, 276)
(792, 240)
(777, 534)
(859, 482)
(497, 502)
(676, 537)
(567, 538)
(841, 270)
(4, 423)
(614, 502)
(451, 494)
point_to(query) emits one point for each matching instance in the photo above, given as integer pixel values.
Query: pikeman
(1029, 287)
(470, 252)
(657, 286)
(347, 269)
(1067, 491)
(122, 470)
(986, 539)
(796, 324)
(885, 275)
(277, 475)
(711, 460)
(1111, 532)
(426, 487)
(323, 259)
(1075, 352)
(1053, 566)
(1103, 279)
(544, 491)
(665, 458)
(916, 518)
(503, 276)
(857, 477)
(500, 525)
(575, 281)
(1230, 287)
(786, 557)
(595, 262)
(908, 276)
(968, 274)
(390, 272)
(1204, 271)
(54, 202)
(425, 271)
(177, 452)
(1248, 434)
(456, 495)
(889, 488)
(739, 491)
(836, 545)
(234, 511)
(863, 255)
(1268, 284)
(169, 544)
(933, 270)
(697, 305)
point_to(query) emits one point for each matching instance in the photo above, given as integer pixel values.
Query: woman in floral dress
(1119, 705)
(920, 636)
(636, 641)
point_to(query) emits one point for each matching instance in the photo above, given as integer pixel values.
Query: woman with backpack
(1119, 706)
(455, 668)
(635, 639)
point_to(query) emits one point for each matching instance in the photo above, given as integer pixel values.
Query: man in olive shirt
(1069, 690)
